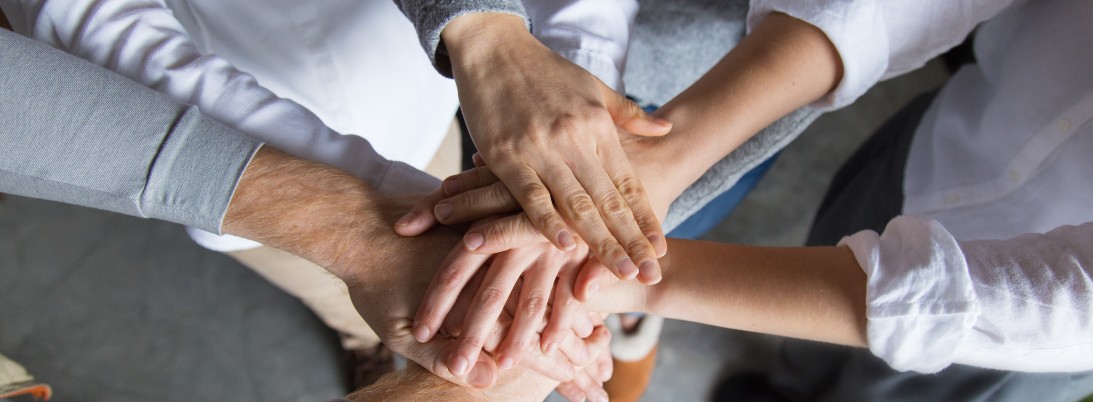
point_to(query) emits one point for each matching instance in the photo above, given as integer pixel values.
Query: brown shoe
(634, 353)
(369, 364)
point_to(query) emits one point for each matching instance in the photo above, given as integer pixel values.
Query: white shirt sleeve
(593, 34)
(1023, 304)
(142, 40)
(878, 39)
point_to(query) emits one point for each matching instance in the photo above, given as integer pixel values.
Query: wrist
(471, 39)
(653, 296)
(308, 209)
(662, 167)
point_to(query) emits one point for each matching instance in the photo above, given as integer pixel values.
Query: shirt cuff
(856, 28)
(430, 17)
(920, 303)
(599, 65)
(194, 176)
(400, 178)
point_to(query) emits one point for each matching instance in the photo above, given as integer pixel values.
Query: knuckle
(645, 221)
(637, 247)
(498, 234)
(451, 278)
(537, 195)
(631, 189)
(615, 207)
(498, 194)
(581, 206)
(491, 298)
(535, 305)
(606, 247)
(549, 221)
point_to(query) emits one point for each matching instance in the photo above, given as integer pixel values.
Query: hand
(551, 138)
(587, 354)
(538, 266)
(477, 195)
(520, 384)
(338, 222)
(388, 298)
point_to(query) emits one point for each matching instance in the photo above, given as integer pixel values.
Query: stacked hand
(388, 303)
(551, 138)
(334, 220)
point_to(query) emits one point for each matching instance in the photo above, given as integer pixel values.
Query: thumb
(433, 356)
(631, 117)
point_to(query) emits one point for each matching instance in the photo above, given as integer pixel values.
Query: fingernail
(421, 333)
(649, 274)
(443, 210)
(459, 365)
(551, 347)
(505, 362)
(659, 244)
(473, 241)
(451, 186)
(480, 376)
(405, 219)
(566, 240)
(593, 288)
(626, 268)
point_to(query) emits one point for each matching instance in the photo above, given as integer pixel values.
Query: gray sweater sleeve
(431, 16)
(73, 132)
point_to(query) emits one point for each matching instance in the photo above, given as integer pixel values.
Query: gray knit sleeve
(431, 16)
(73, 132)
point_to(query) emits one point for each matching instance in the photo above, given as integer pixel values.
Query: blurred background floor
(112, 308)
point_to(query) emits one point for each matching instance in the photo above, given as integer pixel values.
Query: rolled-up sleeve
(878, 39)
(76, 133)
(1023, 304)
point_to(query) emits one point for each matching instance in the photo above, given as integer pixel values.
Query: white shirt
(983, 270)
(294, 74)
(311, 71)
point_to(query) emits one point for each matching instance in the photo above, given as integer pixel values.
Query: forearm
(781, 66)
(76, 133)
(813, 293)
(311, 210)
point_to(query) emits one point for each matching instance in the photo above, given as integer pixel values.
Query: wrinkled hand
(547, 128)
(389, 298)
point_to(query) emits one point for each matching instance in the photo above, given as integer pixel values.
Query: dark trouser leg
(866, 193)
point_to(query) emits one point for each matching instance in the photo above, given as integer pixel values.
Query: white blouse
(985, 269)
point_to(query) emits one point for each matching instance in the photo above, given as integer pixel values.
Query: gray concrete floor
(112, 308)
